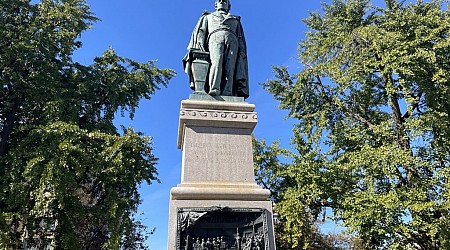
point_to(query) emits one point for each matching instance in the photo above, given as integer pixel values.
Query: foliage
(67, 177)
(302, 230)
(373, 127)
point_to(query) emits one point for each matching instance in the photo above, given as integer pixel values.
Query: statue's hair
(229, 4)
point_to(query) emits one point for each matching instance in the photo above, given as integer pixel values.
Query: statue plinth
(217, 170)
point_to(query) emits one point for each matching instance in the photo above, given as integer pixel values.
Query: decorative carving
(188, 219)
(219, 228)
(246, 116)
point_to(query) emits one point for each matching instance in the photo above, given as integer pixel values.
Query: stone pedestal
(217, 189)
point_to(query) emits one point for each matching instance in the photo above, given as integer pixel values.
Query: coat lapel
(223, 18)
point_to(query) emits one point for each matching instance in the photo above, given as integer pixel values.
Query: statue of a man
(221, 34)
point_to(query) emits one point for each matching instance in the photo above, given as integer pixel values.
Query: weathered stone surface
(217, 151)
(215, 114)
(217, 154)
(217, 168)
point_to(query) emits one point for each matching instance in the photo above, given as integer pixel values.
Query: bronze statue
(221, 35)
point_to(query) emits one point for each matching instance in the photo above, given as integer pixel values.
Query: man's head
(224, 5)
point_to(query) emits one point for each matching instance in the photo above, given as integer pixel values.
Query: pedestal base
(218, 201)
(194, 220)
(219, 191)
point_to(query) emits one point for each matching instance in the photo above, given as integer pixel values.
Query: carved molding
(218, 115)
(215, 114)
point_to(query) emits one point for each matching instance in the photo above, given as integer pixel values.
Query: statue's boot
(214, 92)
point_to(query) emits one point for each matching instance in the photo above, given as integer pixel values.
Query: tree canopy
(372, 135)
(68, 177)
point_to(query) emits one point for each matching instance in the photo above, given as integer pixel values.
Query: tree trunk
(10, 119)
(402, 137)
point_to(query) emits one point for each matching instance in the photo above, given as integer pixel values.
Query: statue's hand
(200, 47)
(242, 55)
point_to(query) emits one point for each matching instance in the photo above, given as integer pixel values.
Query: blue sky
(160, 30)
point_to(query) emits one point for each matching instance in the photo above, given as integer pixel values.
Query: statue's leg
(216, 54)
(231, 54)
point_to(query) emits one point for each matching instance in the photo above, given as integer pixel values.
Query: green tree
(302, 230)
(68, 177)
(371, 139)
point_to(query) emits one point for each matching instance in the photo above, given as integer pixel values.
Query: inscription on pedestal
(219, 228)
(218, 205)
(218, 154)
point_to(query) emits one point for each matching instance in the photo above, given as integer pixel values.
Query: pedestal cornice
(215, 114)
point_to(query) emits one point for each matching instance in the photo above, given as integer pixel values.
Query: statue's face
(223, 5)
